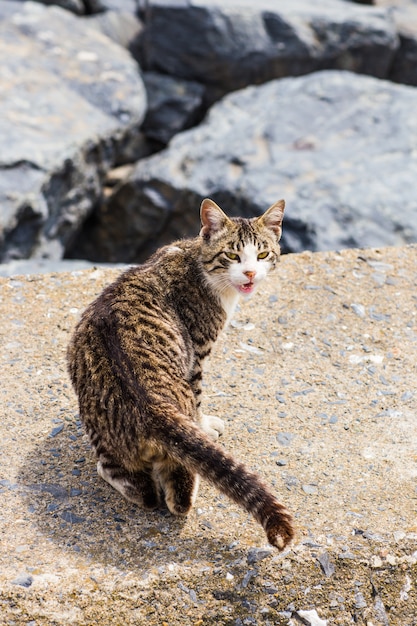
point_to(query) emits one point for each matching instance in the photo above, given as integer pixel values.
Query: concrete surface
(316, 379)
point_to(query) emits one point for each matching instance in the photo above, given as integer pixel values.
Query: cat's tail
(187, 444)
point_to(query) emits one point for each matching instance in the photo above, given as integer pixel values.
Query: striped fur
(136, 359)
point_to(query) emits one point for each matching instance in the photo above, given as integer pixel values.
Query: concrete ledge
(316, 379)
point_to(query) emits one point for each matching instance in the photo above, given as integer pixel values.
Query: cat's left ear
(272, 218)
(212, 218)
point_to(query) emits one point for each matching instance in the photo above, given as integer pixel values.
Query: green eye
(232, 256)
(263, 255)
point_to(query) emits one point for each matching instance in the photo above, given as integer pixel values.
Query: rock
(80, 7)
(227, 46)
(72, 518)
(68, 110)
(346, 170)
(326, 564)
(126, 6)
(258, 554)
(173, 105)
(23, 580)
(310, 490)
(57, 491)
(8, 7)
(404, 66)
(309, 618)
(122, 27)
(285, 439)
(75, 6)
(55, 431)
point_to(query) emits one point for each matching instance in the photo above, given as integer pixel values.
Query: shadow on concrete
(78, 511)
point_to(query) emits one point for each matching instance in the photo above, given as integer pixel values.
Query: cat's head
(237, 252)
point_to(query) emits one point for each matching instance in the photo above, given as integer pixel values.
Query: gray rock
(258, 554)
(75, 6)
(69, 106)
(72, 518)
(57, 491)
(96, 6)
(80, 7)
(23, 580)
(285, 439)
(122, 27)
(326, 564)
(228, 45)
(347, 169)
(8, 7)
(173, 105)
(404, 66)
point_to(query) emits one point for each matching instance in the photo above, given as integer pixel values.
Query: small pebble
(24, 580)
(310, 489)
(279, 397)
(359, 309)
(310, 618)
(55, 431)
(247, 577)
(281, 462)
(285, 438)
(360, 602)
(72, 518)
(347, 555)
(326, 565)
(258, 554)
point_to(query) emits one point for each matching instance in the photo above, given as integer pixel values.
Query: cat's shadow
(78, 511)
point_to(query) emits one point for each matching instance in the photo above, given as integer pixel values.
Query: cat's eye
(263, 255)
(232, 256)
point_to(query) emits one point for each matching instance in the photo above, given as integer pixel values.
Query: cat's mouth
(247, 288)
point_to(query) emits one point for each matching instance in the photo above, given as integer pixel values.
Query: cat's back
(152, 315)
(146, 288)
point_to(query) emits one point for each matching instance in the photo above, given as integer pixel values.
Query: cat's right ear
(212, 218)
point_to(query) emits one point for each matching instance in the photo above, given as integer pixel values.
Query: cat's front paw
(212, 425)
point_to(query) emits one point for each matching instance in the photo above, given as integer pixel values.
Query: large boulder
(121, 26)
(81, 7)
(228, 45)
(75, 6)
(341, 148)
(404, 66)
(71, 103)
(173, 105)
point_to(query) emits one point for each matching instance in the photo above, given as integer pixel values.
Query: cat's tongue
(248, 288)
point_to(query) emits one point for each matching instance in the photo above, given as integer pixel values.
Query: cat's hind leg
(180, 486)
(212, 425)
(138, 487)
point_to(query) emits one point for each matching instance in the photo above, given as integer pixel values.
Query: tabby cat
(136, 364)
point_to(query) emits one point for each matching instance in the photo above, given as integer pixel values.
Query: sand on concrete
(316, 381)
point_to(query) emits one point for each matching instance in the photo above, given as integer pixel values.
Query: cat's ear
(272, 218)
(212, 218)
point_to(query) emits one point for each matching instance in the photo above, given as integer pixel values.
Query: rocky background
(117, 117)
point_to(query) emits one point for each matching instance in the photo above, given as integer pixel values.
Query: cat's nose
(250, 275)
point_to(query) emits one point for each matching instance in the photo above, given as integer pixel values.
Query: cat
(135, 360)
